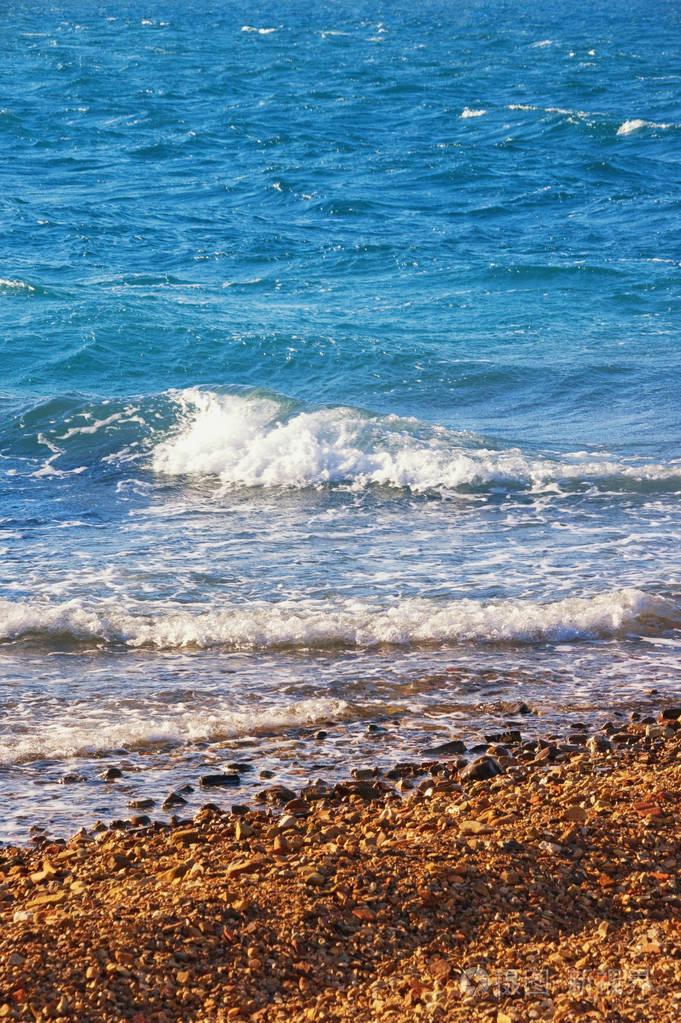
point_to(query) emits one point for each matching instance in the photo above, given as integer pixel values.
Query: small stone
(242, 830)
(315, 878)
(671, 713)
(187, 836)
(280, 845)
(112, 774)
(598, 744)
(576, 813)
(475, 828)
(249, 866)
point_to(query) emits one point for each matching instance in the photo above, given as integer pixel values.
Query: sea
(340, 387)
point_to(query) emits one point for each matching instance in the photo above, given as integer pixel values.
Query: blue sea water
(340, 382)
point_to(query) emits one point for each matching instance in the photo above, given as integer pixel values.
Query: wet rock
(141, 804)
(321, 734)
(452, 748)
(216, 781)
(240, 768)
(112, 774)
(174, 799)
(480, 769)
(363, 789)
(671, 714)
(522, 708)
(265, 773)
(510, 735)
(276, 794)
(141, 821)
(71, 779)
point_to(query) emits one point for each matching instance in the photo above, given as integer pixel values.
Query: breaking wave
(341, 623)
(256, 441)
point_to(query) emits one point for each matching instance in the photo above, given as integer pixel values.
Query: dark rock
(239, 809)
(623, 738)
(497, 750)
(452, 748)
(112, 773)
(71, 779)
(240, 768)
(265, 773)
(671, 714)
(374, 729)
(365, 773)
(174, 799)
(480, 769)
(321, 734)
(216, 781)
(577, 738)
(364, 789)
(276, 794)
(318, 790)
(407, 770)
(141, 821)
(545, 754)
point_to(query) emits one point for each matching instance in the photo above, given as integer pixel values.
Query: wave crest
(256, 441)
(346, 623)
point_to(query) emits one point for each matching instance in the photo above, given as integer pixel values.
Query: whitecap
(324, 624)
(471, 112)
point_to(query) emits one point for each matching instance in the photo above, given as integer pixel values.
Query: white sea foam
(260, 31)
(349, 623)
(628, 127)
(472, 112)
(11, 285)
(105, 726)
(248, 441)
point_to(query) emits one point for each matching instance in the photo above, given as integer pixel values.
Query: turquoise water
(340, 381)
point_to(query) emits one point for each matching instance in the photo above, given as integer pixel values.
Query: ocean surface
(340, 385)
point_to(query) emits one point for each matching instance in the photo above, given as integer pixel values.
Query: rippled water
(339, 383)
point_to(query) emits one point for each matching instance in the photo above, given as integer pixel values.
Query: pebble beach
(538, 880)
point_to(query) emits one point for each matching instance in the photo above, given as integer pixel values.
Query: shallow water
(339, 383)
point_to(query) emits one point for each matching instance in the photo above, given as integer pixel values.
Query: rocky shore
(537, 882)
